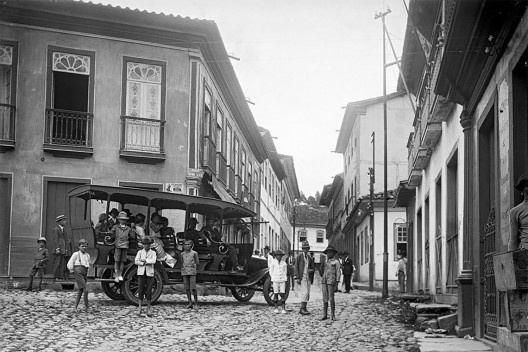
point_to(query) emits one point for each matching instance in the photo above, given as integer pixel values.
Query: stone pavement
(44, 321)
(434, 343)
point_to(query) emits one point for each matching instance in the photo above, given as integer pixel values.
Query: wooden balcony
(431, 135)
(415, 178)
(421, 159)
(221, 167)
(68, 133)
(231, 180)
(441, 109)
(7, 127)
(209, 155)
(142, 140)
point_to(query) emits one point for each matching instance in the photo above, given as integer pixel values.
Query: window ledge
(142, 157)
(68, 151)
(6, 145)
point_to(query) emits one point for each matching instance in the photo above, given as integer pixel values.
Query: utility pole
(372, 265)
(293, 237)
(385, 289)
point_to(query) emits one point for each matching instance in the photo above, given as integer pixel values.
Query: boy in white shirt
(78, 265)
(278, 270)
(145, 260)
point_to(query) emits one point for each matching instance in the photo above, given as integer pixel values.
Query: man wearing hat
(304, 265)
(58, 243)
(330, 272)
(348, 271)
(40, 259)
(519, 218)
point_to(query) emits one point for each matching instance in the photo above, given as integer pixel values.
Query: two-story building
(105, 95)
(472, 55)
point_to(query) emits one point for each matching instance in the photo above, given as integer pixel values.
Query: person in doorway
(304, 266)
(40, 259)
(402, 270)
(78, 265)
(190, 262)
(58, 242)
(519, 218)
(145, 260)
(330, 272)
(348, 271)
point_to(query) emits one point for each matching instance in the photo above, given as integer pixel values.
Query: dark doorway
(5, 222)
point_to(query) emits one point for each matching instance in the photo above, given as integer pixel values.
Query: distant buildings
(353, 224)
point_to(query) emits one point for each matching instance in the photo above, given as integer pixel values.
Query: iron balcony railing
(71, 128)
(142, 135)
(7, 122)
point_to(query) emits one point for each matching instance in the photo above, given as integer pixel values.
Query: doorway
(5, 222)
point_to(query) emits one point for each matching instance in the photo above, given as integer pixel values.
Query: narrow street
(44, 321)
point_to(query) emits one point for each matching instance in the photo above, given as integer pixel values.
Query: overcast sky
(301, 61)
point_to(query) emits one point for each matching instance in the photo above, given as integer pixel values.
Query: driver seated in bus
(211, 232)
(193, 234)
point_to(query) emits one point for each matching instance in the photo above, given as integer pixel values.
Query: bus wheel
(130, 286)
(111, 288)
(268, 291)
(242, 293)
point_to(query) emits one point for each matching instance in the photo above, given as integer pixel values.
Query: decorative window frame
(396, 234)
(319, 234)
(14, 68)
(73, 52)
(124, 75)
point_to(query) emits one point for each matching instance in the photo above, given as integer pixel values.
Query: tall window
(250, 177)
(236, 157)
(302, 236)
(320, 236)
(143, 106)
(8, 70)
(243, 167)
(229, 148)
(400, 239)
(69, 97)
(219, 130)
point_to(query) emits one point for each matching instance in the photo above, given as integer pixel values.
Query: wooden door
(57, 203)
(5, 223)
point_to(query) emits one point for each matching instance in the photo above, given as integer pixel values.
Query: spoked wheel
(268, 291)
(130, 286)
(110, 288)
(242, 294)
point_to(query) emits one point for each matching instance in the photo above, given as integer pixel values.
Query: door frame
(46, 179)
(9, 177)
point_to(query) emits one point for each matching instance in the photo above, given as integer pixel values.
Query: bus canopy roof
(209, 207)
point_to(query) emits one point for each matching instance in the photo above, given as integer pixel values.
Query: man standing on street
(291, 263)
(348, 270)
(58, 241)
(304, 266)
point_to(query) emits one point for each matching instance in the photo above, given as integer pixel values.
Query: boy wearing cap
(122, 232)
(278, 271)
(304, 265)
(330, 273)
(58, 242)
(40, 259)
(78, 265)
(519, 218)
(190, 262)
(145, 260)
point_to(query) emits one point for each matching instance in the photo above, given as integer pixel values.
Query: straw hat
(122, 215)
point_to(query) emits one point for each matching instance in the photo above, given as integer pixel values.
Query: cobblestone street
(45, 321)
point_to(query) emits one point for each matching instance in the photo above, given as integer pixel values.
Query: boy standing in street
(190, 261)
(145, 260)
(58, 242)
(278, 271)
(40, 259)
(78, 265)
(304, 266)
(330, 272)
(122, 233)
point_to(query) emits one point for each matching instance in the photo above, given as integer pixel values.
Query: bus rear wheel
(130, 286)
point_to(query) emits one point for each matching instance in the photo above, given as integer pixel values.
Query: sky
(301, 62)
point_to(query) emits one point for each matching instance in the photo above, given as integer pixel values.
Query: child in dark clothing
(122, 233)
(330, 273)
(40, 259)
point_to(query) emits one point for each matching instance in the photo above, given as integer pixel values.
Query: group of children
(330, 271)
